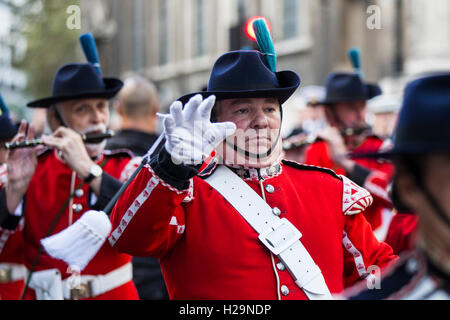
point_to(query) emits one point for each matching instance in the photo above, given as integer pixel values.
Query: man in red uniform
(41, 180)
(308, 218)
(421, 156)
(345, 110)
(12, 270)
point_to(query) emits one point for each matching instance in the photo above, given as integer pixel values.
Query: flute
(87, 138)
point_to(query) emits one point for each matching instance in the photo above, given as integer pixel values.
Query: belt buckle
(5, 275)
(285, 230)
(83, 290)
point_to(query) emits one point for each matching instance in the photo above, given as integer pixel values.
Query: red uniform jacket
(49, 188)
(374, 175)
(11, 251)
(208, 251)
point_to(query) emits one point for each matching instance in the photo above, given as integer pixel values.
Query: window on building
(163, 33)
(139, 51)
(290, 22)
(199, 28)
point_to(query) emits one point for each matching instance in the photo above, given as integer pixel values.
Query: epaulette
(355, 199)
(118, 153)
(311, 168)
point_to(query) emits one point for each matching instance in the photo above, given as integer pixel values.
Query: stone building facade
(175, 42)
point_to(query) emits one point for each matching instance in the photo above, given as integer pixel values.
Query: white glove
(190, 135)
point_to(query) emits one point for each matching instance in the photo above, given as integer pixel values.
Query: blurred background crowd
(173, 43)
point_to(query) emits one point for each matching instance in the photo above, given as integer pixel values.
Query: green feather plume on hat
(355, 59)
(265, 43)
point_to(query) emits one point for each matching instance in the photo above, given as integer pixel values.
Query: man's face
(86, 116)
(349, 114)
(258, 122)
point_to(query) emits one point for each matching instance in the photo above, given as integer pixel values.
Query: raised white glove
(190, 135)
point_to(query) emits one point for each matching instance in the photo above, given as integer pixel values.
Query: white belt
(10, 272)
(92, 286)
(280, 236)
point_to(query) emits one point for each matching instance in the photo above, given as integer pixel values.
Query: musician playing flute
(12, 269)
(242, 223)
(68, 177)
(347, 131)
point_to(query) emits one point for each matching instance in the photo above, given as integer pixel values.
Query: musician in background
(421, 156)
(69, 176)
(12, 270)
(347, 131)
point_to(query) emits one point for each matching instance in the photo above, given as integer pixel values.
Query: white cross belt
(280, 236)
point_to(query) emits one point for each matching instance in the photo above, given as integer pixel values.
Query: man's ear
(117, 108)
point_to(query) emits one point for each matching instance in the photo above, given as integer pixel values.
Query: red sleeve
(148, 218)
(363, 253)
(401, 232)
(362, 250)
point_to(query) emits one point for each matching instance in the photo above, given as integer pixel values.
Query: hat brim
(112, 87)
(372, 90)
(410, 150)
(288, 80)
(375, 155)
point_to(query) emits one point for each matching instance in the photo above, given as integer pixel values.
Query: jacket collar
(257, 173)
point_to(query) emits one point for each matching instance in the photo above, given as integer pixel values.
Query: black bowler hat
(246, 74)
(78, 81)
(342, 87)
(423, 121)
(7, 129)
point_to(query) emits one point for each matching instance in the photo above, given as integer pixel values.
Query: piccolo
(87, 138)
